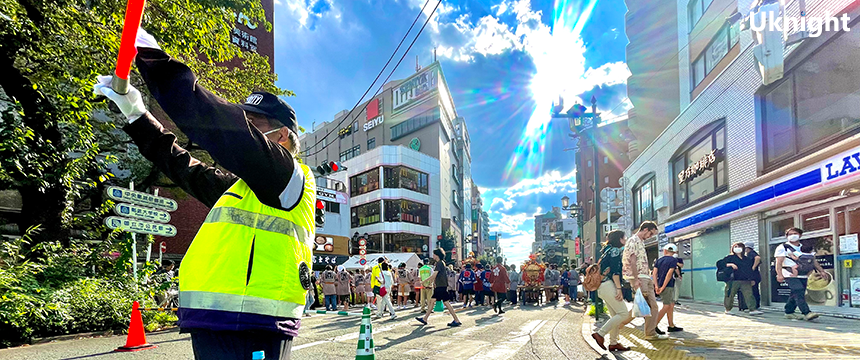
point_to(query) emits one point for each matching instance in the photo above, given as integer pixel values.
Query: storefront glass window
(824, 91)
(405, 178)
(366, 214)
(407, 211)
(407, 243)
(644, 201)
(819, 220)
(704, 184)
(779, 227)
(364, 183)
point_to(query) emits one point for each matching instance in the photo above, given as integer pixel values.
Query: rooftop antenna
(417, 64)
(434, 54)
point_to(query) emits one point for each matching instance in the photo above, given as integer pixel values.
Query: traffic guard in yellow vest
(244, 278)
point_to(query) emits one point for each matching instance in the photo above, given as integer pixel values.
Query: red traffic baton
(127, 51)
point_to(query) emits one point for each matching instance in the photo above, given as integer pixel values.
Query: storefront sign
(331, 195)
(415, 87)
(855, 292)
(839, 167)
(372, 123)
(697, 168)
(848, 244)
(415, 144)
(345, 131)
(323, 243)
(330, 259)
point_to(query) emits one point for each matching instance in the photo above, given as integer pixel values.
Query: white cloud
(506, 204)
(304, 11)
(510, 223)
(549, 183)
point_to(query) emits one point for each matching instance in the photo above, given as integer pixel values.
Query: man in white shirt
(635, 270)
(797, 284)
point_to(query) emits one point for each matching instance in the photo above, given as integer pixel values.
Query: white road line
(351, 336)
(508, 348)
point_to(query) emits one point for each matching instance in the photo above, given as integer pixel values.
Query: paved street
(521, 334)
(711, 334)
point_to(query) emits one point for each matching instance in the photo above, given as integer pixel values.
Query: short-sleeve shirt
(635, 246)
(500, 279)
(343, 282)
(467, 277)
(329, 279)
(781, 252)
(403, 276)
(442, 274)
(663, 265)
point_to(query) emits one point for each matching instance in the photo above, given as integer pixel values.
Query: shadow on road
(90, 356)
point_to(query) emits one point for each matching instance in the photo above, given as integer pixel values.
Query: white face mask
(674, 255)
(738, 250)
(794, 238)
(270, 131)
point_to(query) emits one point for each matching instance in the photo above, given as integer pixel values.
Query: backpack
(593, 277)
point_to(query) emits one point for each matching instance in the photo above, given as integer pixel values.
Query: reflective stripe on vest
(246, 256)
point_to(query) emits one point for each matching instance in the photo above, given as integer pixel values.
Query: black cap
(269, 104)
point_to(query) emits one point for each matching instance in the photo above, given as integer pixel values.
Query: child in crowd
(804, 260)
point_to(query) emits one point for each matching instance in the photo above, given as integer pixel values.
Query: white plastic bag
(640, 306)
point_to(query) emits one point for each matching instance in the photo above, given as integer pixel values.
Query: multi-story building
(749, 156)
(612, 159)
(554, 233)
(479, 222)
(404, 151)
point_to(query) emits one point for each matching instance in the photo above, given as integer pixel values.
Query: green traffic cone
(439, 307)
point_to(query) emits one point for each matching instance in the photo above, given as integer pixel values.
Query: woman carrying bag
(737, 271)
(610, 290)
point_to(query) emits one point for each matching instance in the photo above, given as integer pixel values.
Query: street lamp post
(585, 124)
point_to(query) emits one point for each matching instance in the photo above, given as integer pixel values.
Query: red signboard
(577, 245)
(373, 109)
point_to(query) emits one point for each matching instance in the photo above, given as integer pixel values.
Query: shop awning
(395, 259)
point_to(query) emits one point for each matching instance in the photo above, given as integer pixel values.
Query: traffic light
(319, 219)
(330, 167)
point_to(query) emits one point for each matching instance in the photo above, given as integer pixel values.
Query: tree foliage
(56, 143)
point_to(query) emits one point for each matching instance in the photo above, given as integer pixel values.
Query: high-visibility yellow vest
(375, 273)
(247, 256)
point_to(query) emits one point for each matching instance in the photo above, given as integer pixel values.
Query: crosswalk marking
(508, 348)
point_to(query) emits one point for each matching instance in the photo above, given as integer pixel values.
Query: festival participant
(403, 285)
(467, 280)
(344, 281)
(228, 305)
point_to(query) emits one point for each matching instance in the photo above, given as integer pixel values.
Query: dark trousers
(479, 297)
(233, 345)
(500, 298)
(512, 296)
(797, 298)
(742, 304)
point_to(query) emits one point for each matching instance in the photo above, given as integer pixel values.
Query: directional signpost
(141, 213)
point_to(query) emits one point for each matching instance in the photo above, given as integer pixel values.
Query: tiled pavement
(711, 334)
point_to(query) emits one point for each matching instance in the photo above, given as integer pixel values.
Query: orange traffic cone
(136, 339)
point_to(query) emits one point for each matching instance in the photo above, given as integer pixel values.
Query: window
(606, 180)
(605, 160)
(643, 200)
(371, 143)
(406, 243)
(407, 211)
(355, 126)
(366, 214)
(351, 153)
(364, 183)
(415, 123)
(589, 163)
(454, 198)
(814, 105)
(725, 38)
(695, 10)
(331, 206)
(405, 178)
(698, 168)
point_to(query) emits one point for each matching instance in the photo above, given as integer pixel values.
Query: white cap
(671, 247)
(341, 268)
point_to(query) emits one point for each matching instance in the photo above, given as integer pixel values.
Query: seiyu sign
(331, 195)
(372, 123)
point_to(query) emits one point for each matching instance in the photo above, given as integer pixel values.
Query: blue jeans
(797, 298)
(332, 300)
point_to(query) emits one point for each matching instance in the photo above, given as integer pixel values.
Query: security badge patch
(305, 275)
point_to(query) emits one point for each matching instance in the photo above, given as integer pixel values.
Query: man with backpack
(785, 255)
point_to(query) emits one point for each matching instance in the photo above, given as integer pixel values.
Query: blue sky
(505, 62)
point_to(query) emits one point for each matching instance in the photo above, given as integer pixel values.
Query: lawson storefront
(823, 199)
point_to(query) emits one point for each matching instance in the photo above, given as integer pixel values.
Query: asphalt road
(549, 332)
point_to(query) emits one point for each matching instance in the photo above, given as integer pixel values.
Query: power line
(689, 41)
(386, 78)
(377, 75)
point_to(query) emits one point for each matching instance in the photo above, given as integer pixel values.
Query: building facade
(407, 158)
(746, 159)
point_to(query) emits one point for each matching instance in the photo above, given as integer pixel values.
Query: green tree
(55, 142)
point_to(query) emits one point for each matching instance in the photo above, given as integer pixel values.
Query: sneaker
(567, 303)
(675, 329)
(501, 311)
(756, 312)
(599, 339)
(618, 347)
(393, 316)
(659, 332)
(454, 324)
(677, 303)
(421, 320)
(793, 316)
(728, 312)
(811, 316)
(656, 337)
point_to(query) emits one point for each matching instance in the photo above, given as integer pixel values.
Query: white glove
(130, 104)
(145, 40)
